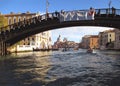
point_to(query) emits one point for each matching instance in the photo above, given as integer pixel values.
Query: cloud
(76, 33)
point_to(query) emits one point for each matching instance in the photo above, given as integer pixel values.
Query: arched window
(28, 17)
(9, 21)
(24, 18)
(14, 20)
(19, 19)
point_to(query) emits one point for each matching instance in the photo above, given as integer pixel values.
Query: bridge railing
(108, 11)
(25, 22)
(63, 16)
(118, 11)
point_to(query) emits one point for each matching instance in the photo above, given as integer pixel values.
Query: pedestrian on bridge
(56, 14)
(113, 11)
(91, 13)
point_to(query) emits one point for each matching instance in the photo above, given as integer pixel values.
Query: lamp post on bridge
(47, 4)
(109, 4)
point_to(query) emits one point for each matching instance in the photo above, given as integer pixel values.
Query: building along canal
(70, 68)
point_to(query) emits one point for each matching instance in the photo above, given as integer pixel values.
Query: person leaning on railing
(56, 14)
(91, 11)
(113, 11)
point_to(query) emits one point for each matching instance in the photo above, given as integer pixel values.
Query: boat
(64, 49)
(76, 48)
(90, 50)
(36, 49)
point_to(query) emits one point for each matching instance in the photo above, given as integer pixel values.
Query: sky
(72, 33)
(7, 6)
(76, 33)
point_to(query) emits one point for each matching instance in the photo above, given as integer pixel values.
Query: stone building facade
(90, 41)
(3, 21)
(117, 39)
(107, 39)
(94, 41)
(41, 40)
(85, 42)
(65, 43)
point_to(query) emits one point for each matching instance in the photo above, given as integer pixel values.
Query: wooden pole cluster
(3, 48)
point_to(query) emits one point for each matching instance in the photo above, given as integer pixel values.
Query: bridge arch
(58, 25)
(18, 31)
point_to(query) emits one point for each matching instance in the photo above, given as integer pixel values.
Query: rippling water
(72, 68)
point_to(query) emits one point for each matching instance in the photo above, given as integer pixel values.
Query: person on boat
(90, 50)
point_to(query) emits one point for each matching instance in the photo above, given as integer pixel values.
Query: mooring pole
(47, 4)
(3, 48)
(0, 48)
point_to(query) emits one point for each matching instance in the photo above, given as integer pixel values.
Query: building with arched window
(41, 40)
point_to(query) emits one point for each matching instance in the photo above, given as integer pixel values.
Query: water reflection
(38, 65)
(72, 68)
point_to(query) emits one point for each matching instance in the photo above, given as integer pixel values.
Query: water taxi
(90, 50)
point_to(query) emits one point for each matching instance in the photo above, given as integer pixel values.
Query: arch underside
(52, 24)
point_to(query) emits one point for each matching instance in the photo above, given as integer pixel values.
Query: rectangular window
(9, 21)
(28, 43)
(110, 40)
(33, 39)
(19, 20)
(14, 20)
(110, 35)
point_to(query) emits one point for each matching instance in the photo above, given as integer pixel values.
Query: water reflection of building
(42, 40)
(37, 65)
(43, 65)
(89, 41)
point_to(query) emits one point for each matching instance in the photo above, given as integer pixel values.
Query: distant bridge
(11, 34)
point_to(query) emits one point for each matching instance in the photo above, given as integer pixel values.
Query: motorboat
(90, 50)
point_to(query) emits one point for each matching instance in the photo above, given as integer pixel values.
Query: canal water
(71, 68)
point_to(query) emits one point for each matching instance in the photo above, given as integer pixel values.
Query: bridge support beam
(3, 48)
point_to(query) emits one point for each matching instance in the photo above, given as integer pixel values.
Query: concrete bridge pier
(3, 48)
